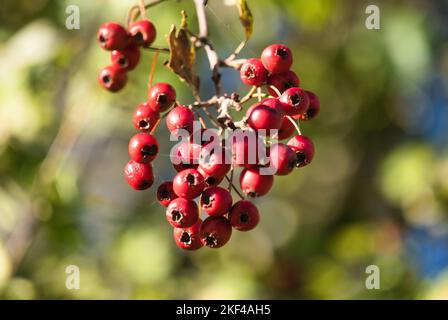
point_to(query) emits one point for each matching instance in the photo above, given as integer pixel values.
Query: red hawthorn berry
(143, 33)
(254, 184)
(295, 101)
(112, 36)
(253, 73)
(277, 58)
(180, 117)
(313, 109)
(182, 213)
(139, 175)
(188, 184)
(188, 238)
(165, 193)
(161, 97)
(216, 201)
(282, 158)
(244, 216)
(185, 155)
(127, 58)
(304, 149)
(212, 163)
(112, 78)
(282, 81)
(143, 147)
(264, 117)
(215, 232)
(245, 152)
(287, 129)
(145, 118)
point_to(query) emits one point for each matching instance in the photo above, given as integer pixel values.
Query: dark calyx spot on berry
(185, 238)
(107, 79)
(207, 200)
(244, 217)
(176, 215)
(210, 241)
(250, 72)
(292, 163)
(139, 37)
(165, 194)
(210, 181)
(102, 38)
(122, 61)
(149, 151)
(143, 125)
(295, 100)
(281, 52)
(252, 194)
(301, 158)
(191, 179)
(162, 98)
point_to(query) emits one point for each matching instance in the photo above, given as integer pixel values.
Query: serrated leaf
(246, 18)
(182, 54)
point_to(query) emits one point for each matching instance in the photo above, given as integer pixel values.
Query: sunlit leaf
(246, 18)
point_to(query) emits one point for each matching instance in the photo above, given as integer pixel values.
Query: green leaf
(246, 18)
(182, 54)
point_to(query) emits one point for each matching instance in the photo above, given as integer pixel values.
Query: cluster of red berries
(125, 50)
(202, 166)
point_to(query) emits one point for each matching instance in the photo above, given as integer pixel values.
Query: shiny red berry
(188, 238)
(180, 117)
(254, 184)
(185, 155)
(277, 58)
(287, 129)
(112, 36)
(143, 33)
(214, 163)
(282, 81)
(313, 109)
(161, 97)
(304, 149)
(112, 78)
(264, 117)
(145, 118)
(215, 232)
(188, 184)
(274, 103)
(295, 101)
(165, 193)
(282, 158)
(244, 216)
(216, 201)
(182, 213)
(127, 58)
(211, 179)
(253, 73)
(143, 147)
(139, 175)
(246, 150)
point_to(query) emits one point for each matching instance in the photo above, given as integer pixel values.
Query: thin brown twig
(296, 125)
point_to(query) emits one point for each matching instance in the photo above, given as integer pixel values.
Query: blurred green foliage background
(376, 193)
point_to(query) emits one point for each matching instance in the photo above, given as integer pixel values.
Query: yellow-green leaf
(246, 18)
